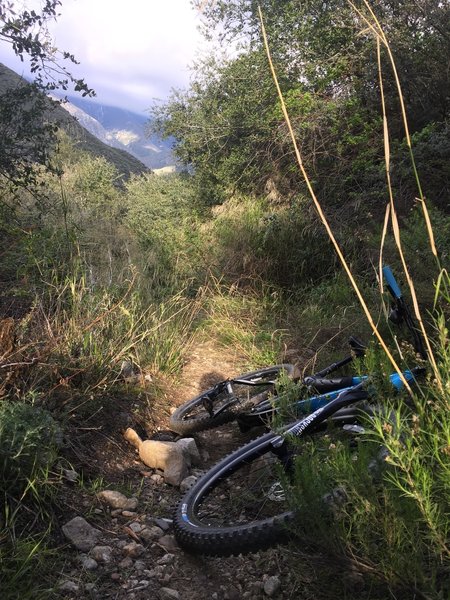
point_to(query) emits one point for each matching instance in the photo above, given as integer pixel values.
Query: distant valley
(122, 129)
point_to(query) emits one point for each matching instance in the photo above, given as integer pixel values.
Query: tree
(26, 132)
(228, 125)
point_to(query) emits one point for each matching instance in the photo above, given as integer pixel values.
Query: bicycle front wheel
(240, 505)
(218, 406)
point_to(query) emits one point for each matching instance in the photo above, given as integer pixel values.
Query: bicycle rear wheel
(240, 505)
(216, 406)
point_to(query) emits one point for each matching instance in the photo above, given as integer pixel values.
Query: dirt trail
(158, 568)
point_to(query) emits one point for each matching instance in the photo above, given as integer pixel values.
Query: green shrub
(383, 499)
(281, 245)
(161, 216)
(29, 440)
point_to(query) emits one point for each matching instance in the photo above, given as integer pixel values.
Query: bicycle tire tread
(240, 540)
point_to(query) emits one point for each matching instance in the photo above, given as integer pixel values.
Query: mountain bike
(252, 398)
(242, 503)
(249, 398)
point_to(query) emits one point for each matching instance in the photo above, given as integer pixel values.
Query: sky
(131, 51)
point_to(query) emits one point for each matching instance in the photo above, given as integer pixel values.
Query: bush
(282, 245)
(383, 499)
(161, 216)
(29, 439)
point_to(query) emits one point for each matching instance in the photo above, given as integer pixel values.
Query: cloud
(130, 52)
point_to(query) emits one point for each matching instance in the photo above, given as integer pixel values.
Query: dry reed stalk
(395, 225)
(383, 238)
(322, 214)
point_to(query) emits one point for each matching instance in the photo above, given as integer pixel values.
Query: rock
(136, 527)
(232, 593)
(190, 450)
(101, 554)
(142, 585)
(129, 514)
(88, 563)
(126, 563)
(272, 585)
(130, 372)
(140, 565)
(167, 559)
(187, 483)
(168, 594)
(176, 470)
(132, 549)
(69, 586)
(167, 456)
(169, 543)
(80, 534)
(70, 475)
(117, 500)
(115, 576)
(157, 479)
(149, 534)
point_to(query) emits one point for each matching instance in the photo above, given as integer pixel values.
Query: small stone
(132, 549)
(142, 584)
(116, 500)
(88, 563)
(169, 543)
(126, 563)
(101, 554)
(167, 559)
(152, 573)
(69, 586)
(232, 593)
(166, 593)
(140, 565)
(115, 576)
(90, 587)
(272, 585)
(136, 527)
(82, 535)
(148, 534)
(128, 514)
(70, 475)
(157, 479)
(187, 483)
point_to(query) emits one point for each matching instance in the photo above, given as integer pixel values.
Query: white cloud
(130, 52)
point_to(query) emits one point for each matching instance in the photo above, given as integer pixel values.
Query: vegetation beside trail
(105, 286)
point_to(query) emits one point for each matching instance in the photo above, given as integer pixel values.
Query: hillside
(125, 163)
(122, 129)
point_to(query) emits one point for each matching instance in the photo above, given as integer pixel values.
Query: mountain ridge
(121, 128)
(125, 162)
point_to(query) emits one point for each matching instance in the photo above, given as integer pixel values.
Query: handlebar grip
(391, 283)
